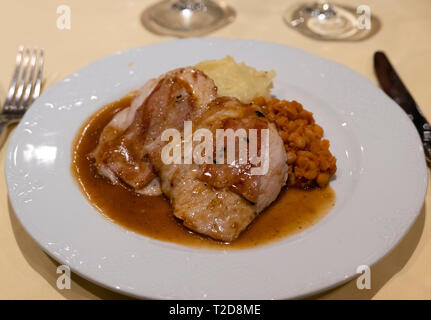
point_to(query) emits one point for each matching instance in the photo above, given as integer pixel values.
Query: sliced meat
(224, 204)
(127, 142)
(217, 200)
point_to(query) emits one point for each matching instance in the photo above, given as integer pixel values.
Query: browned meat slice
(224, 204)
(217, 200)
(134, 134)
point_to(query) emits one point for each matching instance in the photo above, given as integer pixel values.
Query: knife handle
(426, 140)
(395, 88)
(424, 130)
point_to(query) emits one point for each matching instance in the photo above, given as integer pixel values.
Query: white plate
(380, 182)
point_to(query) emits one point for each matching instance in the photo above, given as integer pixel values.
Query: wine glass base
(186, 19)
(326, 22)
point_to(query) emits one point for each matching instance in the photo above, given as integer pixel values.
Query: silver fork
(24, 88)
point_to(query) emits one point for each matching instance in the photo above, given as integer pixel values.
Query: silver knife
(395, 88)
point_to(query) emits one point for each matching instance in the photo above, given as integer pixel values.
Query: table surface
(101, 27)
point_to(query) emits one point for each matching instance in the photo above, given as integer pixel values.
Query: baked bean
(310, 161)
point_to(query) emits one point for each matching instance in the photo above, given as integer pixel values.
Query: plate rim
(12, 142)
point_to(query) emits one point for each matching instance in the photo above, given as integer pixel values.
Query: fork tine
(12, 87)
(29, 84)
(38, 82)
(18, 93)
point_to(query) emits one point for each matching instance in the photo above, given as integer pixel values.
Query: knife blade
(395, 88)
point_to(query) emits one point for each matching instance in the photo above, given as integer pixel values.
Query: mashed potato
(237, 79)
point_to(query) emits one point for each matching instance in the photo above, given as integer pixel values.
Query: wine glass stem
(322, 9)
(193, 5)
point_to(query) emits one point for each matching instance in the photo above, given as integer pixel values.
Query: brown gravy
(294, 210)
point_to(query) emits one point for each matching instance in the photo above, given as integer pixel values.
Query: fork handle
(4, 126)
